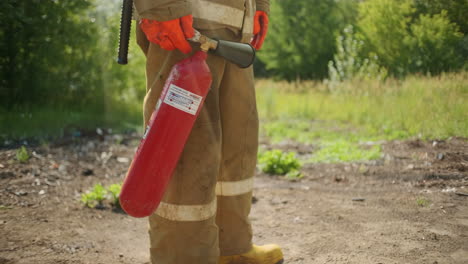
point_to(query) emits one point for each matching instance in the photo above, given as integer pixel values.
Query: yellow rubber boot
(267, 254)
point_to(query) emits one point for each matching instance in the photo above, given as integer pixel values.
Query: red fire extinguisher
(169, 127)
(180, 102)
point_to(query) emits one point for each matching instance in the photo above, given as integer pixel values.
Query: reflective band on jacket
(185, 213)
(233, 188)
(218, 13)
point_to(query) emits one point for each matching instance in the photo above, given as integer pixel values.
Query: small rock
(62, 168)
(90, 145)
(410, 167)
(118, 138)
(1, 166)
(358, 199)
(338, 179)
(21, 193)
(254, 199)
(99, 131)
(37, 156)
(42, 192)
(87, 172)
(440, 156)
(123, 160)
(298, 219)
(54, 165)
(449, 190)
(121, 255)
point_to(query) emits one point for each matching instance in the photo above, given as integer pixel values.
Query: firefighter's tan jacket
(236, 15)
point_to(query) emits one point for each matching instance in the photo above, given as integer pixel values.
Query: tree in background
(385, 24)
(434, 44)
(407, 41)
(302, 34)
(456, 13)
(456, 10)
(47, 52)
(62, 55)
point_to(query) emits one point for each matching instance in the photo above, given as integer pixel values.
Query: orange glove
(170, 35)
(260, 29)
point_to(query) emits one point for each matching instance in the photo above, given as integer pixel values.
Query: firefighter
(203, 216)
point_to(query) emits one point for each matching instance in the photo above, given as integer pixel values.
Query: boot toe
(266, 254)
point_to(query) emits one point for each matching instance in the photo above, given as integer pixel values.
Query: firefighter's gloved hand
(260, 29)
(170, 35)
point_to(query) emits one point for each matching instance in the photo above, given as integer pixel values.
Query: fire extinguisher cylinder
(180, 103)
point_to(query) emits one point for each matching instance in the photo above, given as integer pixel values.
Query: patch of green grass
(307, 131)
(427, 107)
(95, 197)
(114, 190)
(294, 175)
(345, 151)
(279, 163)
(423, 202)
(49, 123)
(99, 194)
(22, 154)
(340, 121)
(337, 142)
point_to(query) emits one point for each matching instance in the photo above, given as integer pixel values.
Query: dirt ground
(411, 206)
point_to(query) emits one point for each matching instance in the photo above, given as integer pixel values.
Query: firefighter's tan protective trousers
(204, 213)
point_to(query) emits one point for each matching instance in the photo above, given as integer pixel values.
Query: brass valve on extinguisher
(241, 54)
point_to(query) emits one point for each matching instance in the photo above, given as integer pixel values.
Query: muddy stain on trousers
(204, 213)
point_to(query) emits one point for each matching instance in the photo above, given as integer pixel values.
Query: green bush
(95, 197)
(99, 194)
(278, 162)
(350, 62)
(22, 154)
(114, 190)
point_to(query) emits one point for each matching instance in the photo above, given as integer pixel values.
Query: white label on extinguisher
(183, 99)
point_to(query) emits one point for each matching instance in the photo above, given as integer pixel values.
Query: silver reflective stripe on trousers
(234, 188)
(218, 13)
(185, 213)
